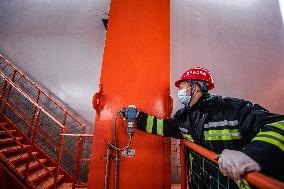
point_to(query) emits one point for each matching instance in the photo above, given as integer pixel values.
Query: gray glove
(234, 164)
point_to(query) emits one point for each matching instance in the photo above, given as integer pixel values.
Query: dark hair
(202, 84)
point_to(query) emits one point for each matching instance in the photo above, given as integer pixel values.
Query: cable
(107, 167)
(122, 149)
(117, 149)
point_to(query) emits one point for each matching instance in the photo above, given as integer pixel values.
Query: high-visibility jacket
(218, 123)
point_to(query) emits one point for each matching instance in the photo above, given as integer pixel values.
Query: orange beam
(135, 70)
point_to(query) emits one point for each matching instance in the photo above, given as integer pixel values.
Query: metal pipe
(36, 117)
(107, 167)
(35, 110)
(59, 155)
(255, 178)
(183, 167)
(116, 153)
(77, 160)
(79, 135)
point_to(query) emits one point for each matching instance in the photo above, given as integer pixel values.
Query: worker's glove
(235, 163)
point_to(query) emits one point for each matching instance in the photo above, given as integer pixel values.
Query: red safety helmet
(197, 73)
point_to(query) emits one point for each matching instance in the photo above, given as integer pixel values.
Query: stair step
(65, 185)
(4, 132)
(2, 124)
(20, 157)
(68, 185)
(39, 174)
(48, 183)
(33, 164)
(9, 140)
(13, 148)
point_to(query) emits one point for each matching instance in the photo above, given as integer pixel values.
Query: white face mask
(184, 99)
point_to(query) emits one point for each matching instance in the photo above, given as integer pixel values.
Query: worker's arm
(267, 148)
(161, 127)
(263, 132)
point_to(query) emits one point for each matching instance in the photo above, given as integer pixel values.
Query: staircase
(41, 143)
(25, 161)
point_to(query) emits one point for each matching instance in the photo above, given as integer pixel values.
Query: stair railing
(13, 72)
(257, 179)
(79, 149)
(34, 127)
(38, 120)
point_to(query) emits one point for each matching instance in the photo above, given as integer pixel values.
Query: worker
(247, 136)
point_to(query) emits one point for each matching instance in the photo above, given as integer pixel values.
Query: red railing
(79, 147)
(43, 121)
(255, 178)
(14, 72)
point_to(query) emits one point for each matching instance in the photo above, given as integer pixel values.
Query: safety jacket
(218, 123)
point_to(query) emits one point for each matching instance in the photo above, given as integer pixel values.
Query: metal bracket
(97, 100)
(128, 153)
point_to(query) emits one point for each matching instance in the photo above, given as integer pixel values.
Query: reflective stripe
(223, 138)
(242, 184)
(149, 125)
(279, 125)
(224, 134)
(221, 123)
(271, 137)
(188, 137)
(160, 126)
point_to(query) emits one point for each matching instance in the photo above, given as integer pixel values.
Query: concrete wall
(59, 44)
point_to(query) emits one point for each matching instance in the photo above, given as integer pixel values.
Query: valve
(130, 114)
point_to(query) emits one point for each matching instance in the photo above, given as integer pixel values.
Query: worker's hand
(235, 163)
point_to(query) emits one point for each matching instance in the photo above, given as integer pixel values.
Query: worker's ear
(196, 88)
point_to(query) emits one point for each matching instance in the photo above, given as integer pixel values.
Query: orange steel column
(135, 70)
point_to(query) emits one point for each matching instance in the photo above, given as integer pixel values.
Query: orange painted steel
(255, 178)
(135, 70)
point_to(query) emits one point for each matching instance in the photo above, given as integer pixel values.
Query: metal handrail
(255, 178)
(27, 97)
(78, 135)
(37, 109)
(80, 122)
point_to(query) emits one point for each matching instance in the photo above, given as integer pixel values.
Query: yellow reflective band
(271, 137)
(278, 125)
(223, 137)
(242, 184)
(160, 126)
(272, 133)
(224, 134)
(149, 125)
(221, 131)
(187, 136)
